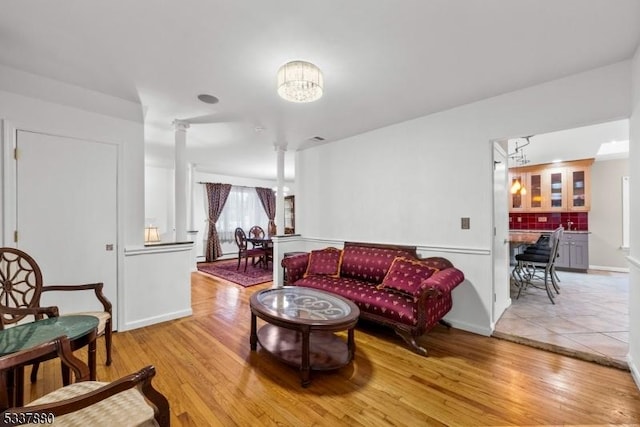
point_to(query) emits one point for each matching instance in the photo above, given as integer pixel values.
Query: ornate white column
(280, 148)
(180, 175)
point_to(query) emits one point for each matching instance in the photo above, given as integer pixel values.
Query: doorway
(590, 317)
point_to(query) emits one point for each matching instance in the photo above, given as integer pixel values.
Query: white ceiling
(574, 144)
(384, 61)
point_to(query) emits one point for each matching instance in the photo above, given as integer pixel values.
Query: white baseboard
(606, 268)
(635, 373)
(469, 327)
(157, 319)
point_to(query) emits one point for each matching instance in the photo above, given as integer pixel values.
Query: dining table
(262, 242)
(81, 330)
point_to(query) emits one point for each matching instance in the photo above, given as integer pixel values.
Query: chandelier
(300, 81)
(520, 158)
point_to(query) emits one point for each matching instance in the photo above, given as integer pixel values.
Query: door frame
(8, 187)
(498, 263)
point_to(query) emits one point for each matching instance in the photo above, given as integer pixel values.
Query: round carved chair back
(256, 232)
(241, 239)
(21, 283)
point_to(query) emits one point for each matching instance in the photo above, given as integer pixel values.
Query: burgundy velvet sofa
(389, 283)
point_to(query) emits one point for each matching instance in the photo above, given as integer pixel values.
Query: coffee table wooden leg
(305, 366)
(92, 360)
(253, 339)
(351, 343)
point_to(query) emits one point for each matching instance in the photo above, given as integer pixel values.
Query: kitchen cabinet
(562, 187)
(517, 200)
(579, 188)
(573, 252)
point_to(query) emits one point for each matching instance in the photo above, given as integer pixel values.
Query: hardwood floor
(210, 376)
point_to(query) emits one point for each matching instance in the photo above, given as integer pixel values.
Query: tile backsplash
(549, 220)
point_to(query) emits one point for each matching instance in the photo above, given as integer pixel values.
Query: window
(243, 209)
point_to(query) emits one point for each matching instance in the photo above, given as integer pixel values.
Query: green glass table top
(28, 335)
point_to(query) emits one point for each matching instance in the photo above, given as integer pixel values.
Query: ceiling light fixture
(520, 159)
(300, 81)
(208, 99)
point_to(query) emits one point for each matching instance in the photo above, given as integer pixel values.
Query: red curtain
(217, 196)
(268, 200)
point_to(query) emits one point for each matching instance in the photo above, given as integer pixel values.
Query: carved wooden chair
(129, 401)
(245, 252)
(22, 285)
(256, 232)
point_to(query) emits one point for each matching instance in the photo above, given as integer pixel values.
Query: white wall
(412, 182)
(634, 257)
(159, 200)
(38, 104)
(605, 216)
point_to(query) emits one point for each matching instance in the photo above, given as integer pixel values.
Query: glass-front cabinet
(535, 191)
(579, 188)
(551, 187)
(289, 214)
(556, 189)
(516, 199)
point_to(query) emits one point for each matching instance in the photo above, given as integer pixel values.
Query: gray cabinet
(574, 251)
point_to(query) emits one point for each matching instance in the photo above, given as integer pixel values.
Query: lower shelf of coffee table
(326, 350)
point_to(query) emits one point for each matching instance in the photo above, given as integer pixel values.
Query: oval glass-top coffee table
(300, 328)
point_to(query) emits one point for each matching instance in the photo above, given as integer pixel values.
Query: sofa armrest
(295, 266)
(442, 282)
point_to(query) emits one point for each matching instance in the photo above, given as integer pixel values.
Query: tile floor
(589, 320)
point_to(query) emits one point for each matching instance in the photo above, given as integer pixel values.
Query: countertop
(550, 231)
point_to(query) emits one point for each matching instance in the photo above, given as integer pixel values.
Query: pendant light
(521, 159)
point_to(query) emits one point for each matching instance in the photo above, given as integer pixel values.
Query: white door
(502, 297)
(66, 214)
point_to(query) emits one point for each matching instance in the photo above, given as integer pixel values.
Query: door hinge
(16, 153)
(15, 236)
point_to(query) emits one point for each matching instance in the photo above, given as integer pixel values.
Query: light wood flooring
(211, 377)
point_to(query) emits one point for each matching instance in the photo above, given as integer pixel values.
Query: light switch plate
(465, 223)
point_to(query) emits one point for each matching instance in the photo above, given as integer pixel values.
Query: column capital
(280, 146)
(180, 125)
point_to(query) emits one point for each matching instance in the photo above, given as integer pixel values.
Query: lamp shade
(300, 81)
(151, 235)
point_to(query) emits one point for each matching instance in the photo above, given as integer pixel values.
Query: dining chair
(23, 287)
(535, 266)
(245, 252)
(256, 232)
(130, 401)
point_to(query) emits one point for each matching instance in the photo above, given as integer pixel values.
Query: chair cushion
(405, 275)
(324, 262)
(533, 257)
(123, 409)
(102, 316)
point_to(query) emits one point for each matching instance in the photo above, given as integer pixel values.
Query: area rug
(227, 270)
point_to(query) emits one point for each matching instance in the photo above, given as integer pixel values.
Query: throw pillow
(405, 275)
(324, 262)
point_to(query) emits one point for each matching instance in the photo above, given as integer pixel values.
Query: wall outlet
(542, 219)
(465, 223)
